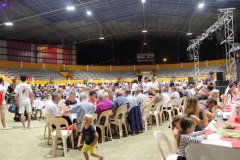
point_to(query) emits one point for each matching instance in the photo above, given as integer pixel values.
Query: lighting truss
(225, 19)
(196, 62)
(227, 15)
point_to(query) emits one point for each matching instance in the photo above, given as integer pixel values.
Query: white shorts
(25, 105)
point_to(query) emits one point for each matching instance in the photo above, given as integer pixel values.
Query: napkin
(235, 142)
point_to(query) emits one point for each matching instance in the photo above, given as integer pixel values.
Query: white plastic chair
(120, 120)
(106, 124)
(146, 116)
(47, 125)
(157, 113)
(60, 134)
(169, 110)
(161, 137)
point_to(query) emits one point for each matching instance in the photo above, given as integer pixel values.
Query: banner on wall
(146, 58)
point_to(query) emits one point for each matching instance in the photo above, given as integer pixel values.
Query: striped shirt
(186, 139)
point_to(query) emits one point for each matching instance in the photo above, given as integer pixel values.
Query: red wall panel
(19, 51)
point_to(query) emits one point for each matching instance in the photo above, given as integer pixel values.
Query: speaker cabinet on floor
(221, 76)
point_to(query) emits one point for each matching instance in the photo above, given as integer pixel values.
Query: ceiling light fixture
(101, 38)
(143, 1)
(89, 13)
(201, 5)
(70, 8)
(8, 23)
(144, 31)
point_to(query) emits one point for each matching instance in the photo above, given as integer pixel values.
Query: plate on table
(229, 126)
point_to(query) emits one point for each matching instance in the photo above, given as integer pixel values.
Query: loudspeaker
(222, 83)
(139, 77)
(221, 76)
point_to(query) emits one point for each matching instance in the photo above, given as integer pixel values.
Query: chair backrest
(146, 110)
(158, 107)
(121, 112)
(46, 117)
(105, 114)
(161, 137)
(58, 123)
(170, 104)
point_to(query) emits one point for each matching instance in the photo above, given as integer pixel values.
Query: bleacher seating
(110, 75)
(36, 74)
(103, 74)
(203, 71)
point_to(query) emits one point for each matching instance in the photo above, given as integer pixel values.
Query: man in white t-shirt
(154, 83)
(24, 95)
(144, 85)
(3, 91)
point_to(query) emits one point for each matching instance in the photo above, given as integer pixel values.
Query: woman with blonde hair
(192, 110)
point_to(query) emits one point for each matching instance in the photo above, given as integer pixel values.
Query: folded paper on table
(209, 131)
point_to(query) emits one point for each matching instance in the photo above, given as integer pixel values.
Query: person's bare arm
(210, 115)
(16, 97)
(79, 140)
(200, 122)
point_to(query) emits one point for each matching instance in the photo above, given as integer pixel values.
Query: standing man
(24, 96)
(3, 104)
(154, 83)
(210, 78)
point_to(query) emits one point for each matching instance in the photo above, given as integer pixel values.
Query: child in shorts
(89, 137)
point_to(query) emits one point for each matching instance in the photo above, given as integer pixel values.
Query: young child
(186, 136)
(176, 125)
(90, 138)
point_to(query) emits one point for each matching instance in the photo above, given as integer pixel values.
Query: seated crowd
(74, 102)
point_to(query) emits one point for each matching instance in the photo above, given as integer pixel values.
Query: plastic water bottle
(219, 119)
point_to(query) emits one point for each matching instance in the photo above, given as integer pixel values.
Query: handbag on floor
(12, 108)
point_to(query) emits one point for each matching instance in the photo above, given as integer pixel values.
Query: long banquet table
(214, 147)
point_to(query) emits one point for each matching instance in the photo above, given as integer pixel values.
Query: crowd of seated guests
(201, 105)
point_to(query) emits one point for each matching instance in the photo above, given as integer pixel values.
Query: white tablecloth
(213, 148)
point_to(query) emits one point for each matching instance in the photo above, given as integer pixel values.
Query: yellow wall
(145, 67)
(53, 66)
(76, 67)
(217, 62)
(33, 65)
(97, 68)
(11, 64)
(169, 66)
(122, 68)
